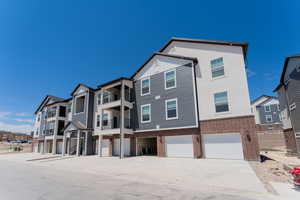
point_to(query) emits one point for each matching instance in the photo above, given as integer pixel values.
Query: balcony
(49, 132)
(115, 124)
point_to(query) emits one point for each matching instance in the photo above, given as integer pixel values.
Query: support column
(122, 120)
(45, 146)
(78, 143)
(85, 142)
(54, 145)
(69, 145)
(100, 145)
(64, 145)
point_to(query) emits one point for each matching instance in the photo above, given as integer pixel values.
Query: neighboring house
(289, 97)
(184, 101)
(266, 110)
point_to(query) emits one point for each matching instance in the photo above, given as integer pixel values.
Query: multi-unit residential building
(189, 99)
(289, 97)
(266, 110)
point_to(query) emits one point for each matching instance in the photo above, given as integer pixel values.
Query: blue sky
(47, 47)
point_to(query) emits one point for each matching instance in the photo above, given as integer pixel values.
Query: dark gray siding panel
(293, 87)
(184, 93)
(81, 117)
(274, 112)
(91, 110)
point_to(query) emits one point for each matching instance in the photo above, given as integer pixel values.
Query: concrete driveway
(131, 178)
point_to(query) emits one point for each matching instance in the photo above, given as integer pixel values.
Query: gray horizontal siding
(274, 112)
(185, 99)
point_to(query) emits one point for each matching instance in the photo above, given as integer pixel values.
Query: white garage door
(179, 146)
(41, 147)
(117, 147)
(59, 147)
(224, 146)
(105, 144)
(36, 148)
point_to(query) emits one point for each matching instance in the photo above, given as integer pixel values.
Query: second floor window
(99, 99)
(145, 86)
(39, 117)
(80, 104)
(145, 113)
(105, 119)
(98, 121)
(217, 67)
(269, 118)
(221, 102)
(106, 97)
(170, 79)
(171, 109)
(267, 108)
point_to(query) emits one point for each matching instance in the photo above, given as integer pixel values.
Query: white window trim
(165, 80)
(298, 68)
(269, 116)
(280, 117)
(97, 120)
(142, 106)
(228, 102)
(292, 106)
(265, 106)
(166, 109)
(76, 113)
(217, 77)
(148, 78)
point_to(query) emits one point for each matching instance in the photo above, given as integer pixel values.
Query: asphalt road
(26, 181)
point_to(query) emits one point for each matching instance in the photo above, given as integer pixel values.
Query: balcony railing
(49, 132)
(115, 123)
(110, 98)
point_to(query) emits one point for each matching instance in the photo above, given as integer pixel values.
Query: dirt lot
(9, 147)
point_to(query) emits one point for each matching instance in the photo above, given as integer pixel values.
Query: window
(80, 104)
(98, 121)
(292, 106)
(146, 113)
(39, 117)
(170, 79)
(145, 86)
(106, 97)
(278, 107)
(280, 117)
(99, 99)
(269, 118)
(221, 102)
(37, 131)
(61, 125)
(105, 119)
(267, 108)
(171, 109)
(217, 67)
(69, 108)
(298, 68)
(62, 111)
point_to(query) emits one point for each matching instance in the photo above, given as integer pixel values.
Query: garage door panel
(59, 147)
(126, 147)
(179, 146)
(223, 146)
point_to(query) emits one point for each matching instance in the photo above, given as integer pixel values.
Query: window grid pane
(217, 67)
(146, 113)
(221, 102)
(170, 79)
(171, 109)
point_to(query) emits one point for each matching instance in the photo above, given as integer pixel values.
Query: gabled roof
(62, 101)
(163, 54)
(77, 125)
(47, 97)
(112, 82)
(244, 45)
(80, 84)
(281, 83)
(265, 101)
(258, 98)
